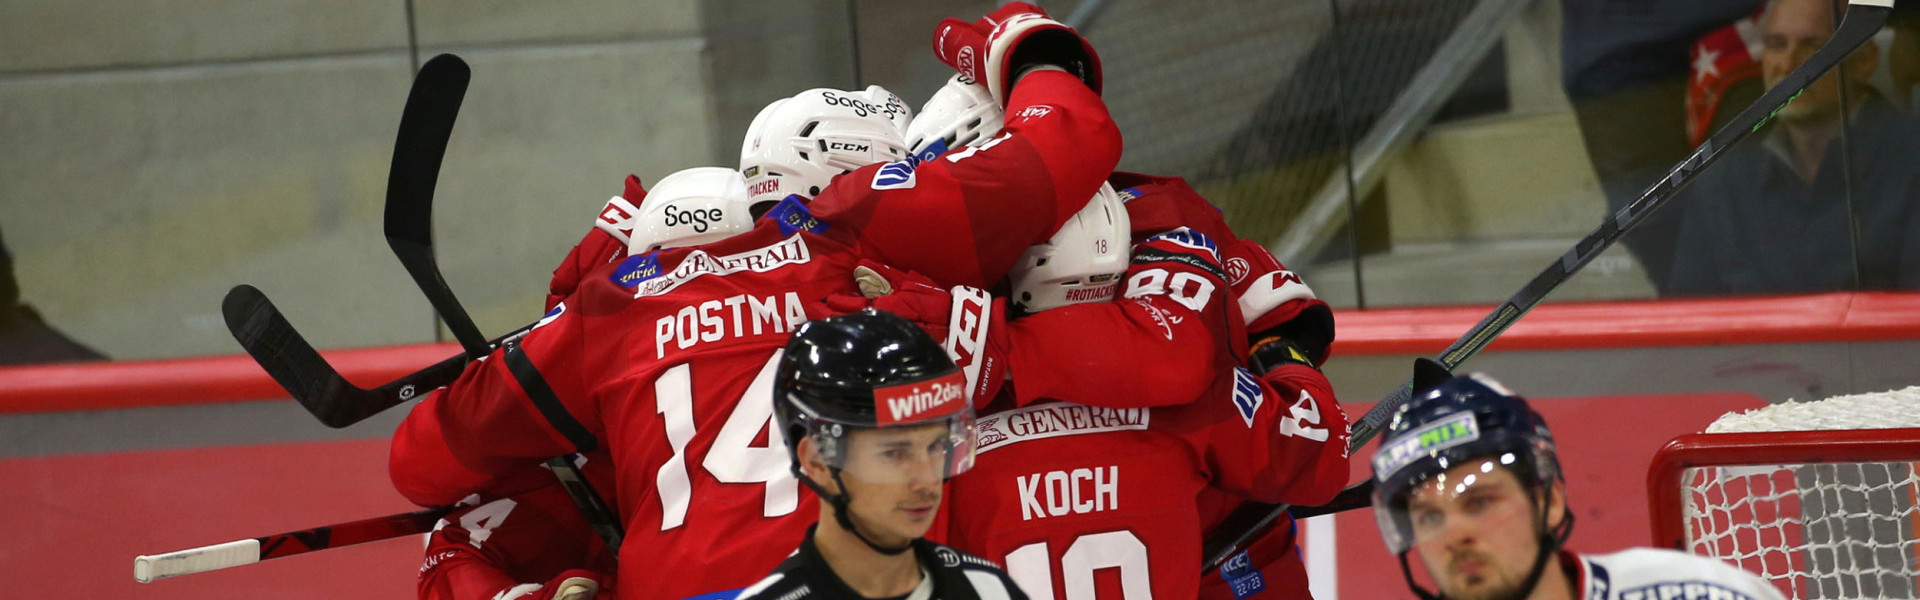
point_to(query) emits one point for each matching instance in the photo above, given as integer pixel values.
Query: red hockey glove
(605, 243)
(969, 323)
(1000, 47)
(1277, 303)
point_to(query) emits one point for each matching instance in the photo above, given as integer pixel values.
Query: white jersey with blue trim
(1660, 574)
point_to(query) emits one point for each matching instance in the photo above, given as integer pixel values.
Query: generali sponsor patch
(1054, 419)
(921, 400)
(790, 251)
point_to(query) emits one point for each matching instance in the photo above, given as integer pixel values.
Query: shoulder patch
(558, 309)
(899, 174)
(1247, 395)
(636, 269)
(1127, 195)
(1190, 239)
(792, 215)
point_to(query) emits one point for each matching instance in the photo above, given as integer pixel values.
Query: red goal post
(1823, 513)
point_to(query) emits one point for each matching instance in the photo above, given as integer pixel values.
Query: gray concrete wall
(156, 153)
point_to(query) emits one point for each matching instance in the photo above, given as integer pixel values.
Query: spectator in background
(1903, 56)
(25, 338)
(1625, 66)
(1793, 211)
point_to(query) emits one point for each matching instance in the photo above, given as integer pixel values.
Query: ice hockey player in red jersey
(619, 363)
(1063, 489)
(1467, 479)
(1270, 300)
(875, 417)
(530, 546)
(503, 548)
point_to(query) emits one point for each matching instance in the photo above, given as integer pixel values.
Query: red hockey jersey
(666, 359)
(496, 544)
(1062, 490)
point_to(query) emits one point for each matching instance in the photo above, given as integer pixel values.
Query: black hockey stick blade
(1863, 19)
(425, 128)
(294, 363)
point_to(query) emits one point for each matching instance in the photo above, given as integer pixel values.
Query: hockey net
(1817, 497)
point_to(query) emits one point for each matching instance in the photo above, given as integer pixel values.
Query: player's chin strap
(1550, 542)
(841, 514)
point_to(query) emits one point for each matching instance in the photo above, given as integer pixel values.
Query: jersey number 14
(733, 458)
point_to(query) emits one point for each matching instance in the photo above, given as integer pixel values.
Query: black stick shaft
(1863, 19)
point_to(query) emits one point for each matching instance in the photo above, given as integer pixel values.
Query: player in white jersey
(1467, 478)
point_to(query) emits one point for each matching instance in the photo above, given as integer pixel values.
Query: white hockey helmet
(690, 207)
(1083, 262)
(961, 112)
(797, 145)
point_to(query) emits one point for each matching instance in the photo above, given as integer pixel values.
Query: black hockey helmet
(1454, 422)
(868, 369)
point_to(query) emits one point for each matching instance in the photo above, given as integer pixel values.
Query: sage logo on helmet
(920, 400)
(691, 207)
(698, 218)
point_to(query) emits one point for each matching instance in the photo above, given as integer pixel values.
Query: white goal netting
(1824, 528)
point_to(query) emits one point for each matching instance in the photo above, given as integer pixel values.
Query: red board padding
(74, 523)
(207, 380)
(1605, 445)
(1843, 317)
(1426, 331)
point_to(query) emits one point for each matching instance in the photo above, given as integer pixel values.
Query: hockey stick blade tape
(147, 569)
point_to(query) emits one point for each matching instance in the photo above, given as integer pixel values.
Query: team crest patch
(636, 269)
(1237, 270)
(792, 216)
(1127, 195)
(1423, 442)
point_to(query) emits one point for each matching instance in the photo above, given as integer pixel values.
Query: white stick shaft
(147, 569)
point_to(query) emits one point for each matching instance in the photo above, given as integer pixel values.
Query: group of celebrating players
(964, 326)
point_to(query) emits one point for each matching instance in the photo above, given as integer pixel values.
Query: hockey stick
(147, 569)
(1863, 19)
(313, 382)
(426, 126)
